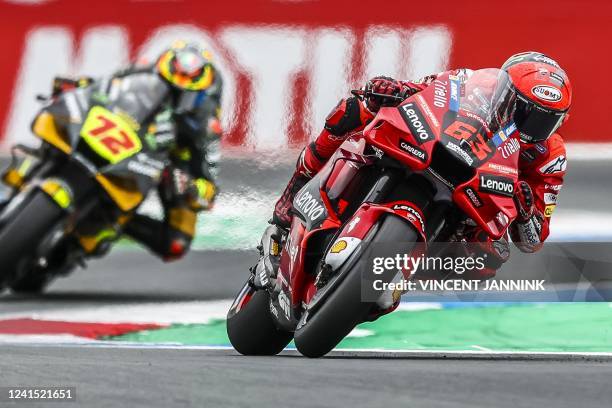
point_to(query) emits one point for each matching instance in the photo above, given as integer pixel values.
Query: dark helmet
(544, 94)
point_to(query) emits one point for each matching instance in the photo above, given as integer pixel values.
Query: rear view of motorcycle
(411, 179)
(72, 195)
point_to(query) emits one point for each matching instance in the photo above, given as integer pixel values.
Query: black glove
(523, 199)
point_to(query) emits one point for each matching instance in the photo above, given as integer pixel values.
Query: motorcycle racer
(543, 99)
(188, 124)
(189, 185)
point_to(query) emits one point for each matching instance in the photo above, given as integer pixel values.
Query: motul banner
(286, 63)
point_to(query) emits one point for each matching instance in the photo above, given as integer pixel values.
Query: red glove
(523, 199)
(386, 86)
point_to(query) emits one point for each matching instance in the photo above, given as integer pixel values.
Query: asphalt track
(135, 377)
(134, 276)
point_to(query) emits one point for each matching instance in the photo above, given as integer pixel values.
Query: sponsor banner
(286, 64)
(419, 128)
(414, 151)
(496, 185)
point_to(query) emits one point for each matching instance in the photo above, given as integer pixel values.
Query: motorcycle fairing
(431, 130)
(102, 129)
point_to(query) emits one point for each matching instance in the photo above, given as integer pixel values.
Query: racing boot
(266, 270)
(306, 167)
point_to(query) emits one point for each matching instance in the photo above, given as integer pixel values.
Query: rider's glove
(199, 194)
(203, 194)
(523, 199)
(385, 86)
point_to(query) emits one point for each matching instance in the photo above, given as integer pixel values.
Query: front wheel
(30, 284)
(23, 232)
(251, 329)
(344, 308)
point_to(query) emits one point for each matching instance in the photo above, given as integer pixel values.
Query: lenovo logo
(496, 185)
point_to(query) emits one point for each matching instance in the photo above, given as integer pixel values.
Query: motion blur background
(285, 64)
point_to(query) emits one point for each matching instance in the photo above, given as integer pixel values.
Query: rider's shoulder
(549, 151)
(555, 145)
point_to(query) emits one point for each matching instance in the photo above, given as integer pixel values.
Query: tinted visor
(536, 123)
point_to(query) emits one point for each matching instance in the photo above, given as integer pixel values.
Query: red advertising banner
(286, 63)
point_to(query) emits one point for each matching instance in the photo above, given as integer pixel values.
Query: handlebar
(361, 94)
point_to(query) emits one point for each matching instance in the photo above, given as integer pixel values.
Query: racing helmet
(544, 94)
(186, 67)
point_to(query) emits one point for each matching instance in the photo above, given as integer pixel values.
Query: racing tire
(21, 235)
(30, 284)
(344, 309)
(252, 331)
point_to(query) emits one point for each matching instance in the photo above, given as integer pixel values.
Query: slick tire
(252, 331)
(344, 308)
(30, 284)
(21, 235)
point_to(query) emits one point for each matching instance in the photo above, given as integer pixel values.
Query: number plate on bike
(109, 135)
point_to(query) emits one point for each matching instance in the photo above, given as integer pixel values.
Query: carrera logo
(309, 206)
(473, 196)
(557, 165)
(547, 93)
(416, 122)
(413, 150)
(496, 185)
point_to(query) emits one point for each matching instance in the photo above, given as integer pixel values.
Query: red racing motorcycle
(443, 156)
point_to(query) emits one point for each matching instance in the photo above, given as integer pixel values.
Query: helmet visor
(536, 123)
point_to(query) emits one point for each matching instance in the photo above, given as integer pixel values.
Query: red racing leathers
(541, 165)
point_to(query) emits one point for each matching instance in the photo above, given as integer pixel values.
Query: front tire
(21, 235)
(31, 283)
(344, 309)
(252, 331)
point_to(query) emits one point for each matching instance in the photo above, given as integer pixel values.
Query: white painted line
(419, 306)
(363, 353)
(194, 312)
(357, 332)
(43, 339)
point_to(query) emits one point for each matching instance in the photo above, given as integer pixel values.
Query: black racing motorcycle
(71, 197)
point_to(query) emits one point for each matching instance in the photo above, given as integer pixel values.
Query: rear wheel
(344, 308)
(23, 232)
(251, 329)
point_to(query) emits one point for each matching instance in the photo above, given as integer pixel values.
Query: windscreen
(488, 95)
(138, 95)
